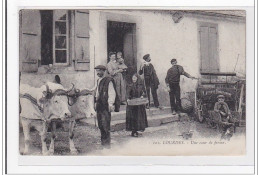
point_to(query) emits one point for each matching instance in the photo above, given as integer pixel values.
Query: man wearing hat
(172, 81)
(151, 79)
(106, 100)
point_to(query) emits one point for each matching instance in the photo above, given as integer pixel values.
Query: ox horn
(48, 89)
(64, 92)
(69, 90)
(49, 93)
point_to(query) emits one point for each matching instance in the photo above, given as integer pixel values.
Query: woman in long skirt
(136, 118)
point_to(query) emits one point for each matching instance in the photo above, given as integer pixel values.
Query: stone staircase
(155, 117)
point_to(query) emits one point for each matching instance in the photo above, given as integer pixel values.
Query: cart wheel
(199, 112)
(200, 116)
(218, 127)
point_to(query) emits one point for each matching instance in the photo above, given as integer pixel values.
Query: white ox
(40, 106)
(81, 106)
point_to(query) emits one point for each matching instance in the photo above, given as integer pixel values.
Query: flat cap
(101, 67)
(146, 56)
(220, 96)
(173, 60)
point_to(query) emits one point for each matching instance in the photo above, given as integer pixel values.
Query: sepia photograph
(132, 82)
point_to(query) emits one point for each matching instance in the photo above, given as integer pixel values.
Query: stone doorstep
(153, 121)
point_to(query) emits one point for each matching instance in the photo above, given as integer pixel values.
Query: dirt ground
(87, 139)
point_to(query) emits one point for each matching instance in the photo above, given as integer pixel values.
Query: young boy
(221, 108)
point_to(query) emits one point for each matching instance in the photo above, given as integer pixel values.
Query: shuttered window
(208, 47)
(82, 40)
(30, 40)
(54, 37)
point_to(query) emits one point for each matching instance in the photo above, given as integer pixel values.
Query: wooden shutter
(82, 61)
(208, 49)
(30, 40)
(213, 57)
(204, 49)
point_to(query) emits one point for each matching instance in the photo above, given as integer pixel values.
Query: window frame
(67, 40)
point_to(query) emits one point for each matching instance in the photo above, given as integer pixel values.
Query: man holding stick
(150, 79)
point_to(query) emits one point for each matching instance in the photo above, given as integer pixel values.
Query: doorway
(121, 37)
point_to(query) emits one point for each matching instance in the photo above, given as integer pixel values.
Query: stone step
(150, 112)
(153, 121)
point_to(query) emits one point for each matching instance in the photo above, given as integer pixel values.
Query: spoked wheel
(199, 115)
(218, 127)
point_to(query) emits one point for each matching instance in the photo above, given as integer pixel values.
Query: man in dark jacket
(107, 101)
(151, 79)
(172, 81)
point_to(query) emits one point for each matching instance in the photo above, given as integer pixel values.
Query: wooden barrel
(186, 105)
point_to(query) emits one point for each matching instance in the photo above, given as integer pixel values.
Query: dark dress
(136, 118)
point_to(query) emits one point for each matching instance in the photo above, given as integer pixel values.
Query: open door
(130, 53)
(121, 37)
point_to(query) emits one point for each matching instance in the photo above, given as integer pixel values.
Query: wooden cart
(213, 84)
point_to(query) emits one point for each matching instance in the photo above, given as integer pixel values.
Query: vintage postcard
(132, 82)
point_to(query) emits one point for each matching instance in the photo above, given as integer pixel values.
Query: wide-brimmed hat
(100, 67)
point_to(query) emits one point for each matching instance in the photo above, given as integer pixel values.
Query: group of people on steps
(112, 90)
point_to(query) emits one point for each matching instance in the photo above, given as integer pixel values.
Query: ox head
(55, 104)
(82, 103)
